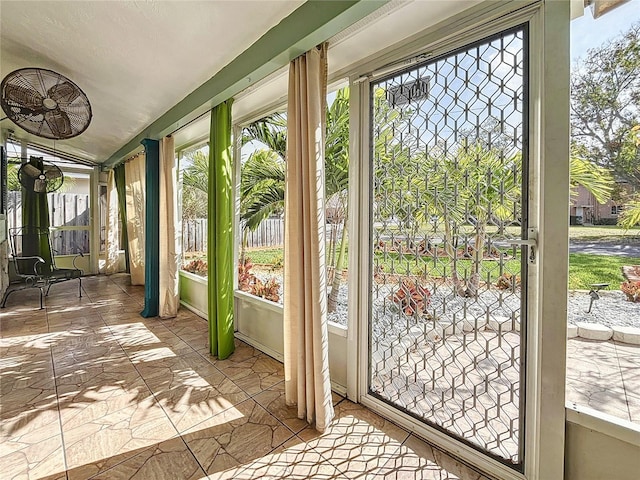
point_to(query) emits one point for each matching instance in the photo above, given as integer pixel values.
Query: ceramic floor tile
(292, 460)
(170, 460)
(117, 433)
(31, 442)
(358, 441)
(78, 408)
(417, 459)
(253, 374)
(127, 386)
(26, 380)
(235, 437)
(190, 389)
(273, 400)
(112, 371)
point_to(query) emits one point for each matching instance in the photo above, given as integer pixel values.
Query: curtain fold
(306, 342)
(135, 195)
(220, 232)
(112, 246)
(121, 184)
(169, 230)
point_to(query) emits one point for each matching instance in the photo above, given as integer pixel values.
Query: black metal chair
(34, 263)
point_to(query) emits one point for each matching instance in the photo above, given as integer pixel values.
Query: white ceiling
(359, 44)
(136, 60)
(133, 59)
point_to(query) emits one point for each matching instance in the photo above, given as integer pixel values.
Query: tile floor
(89, 389)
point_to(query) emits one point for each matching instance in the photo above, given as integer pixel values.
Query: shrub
(198, 267)
(245, 277)
(269, 290)
(507, 281)
(412, 298)
(248, 282)
(631, 290)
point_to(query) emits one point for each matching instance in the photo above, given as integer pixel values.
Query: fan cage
(24, 100)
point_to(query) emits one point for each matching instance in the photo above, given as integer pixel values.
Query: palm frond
(597, 180)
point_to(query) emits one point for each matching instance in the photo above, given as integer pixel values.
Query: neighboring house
(584, 209)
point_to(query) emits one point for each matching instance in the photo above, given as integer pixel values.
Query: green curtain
(118, 174)
(220, 232)
(35, 222)
(151, 228)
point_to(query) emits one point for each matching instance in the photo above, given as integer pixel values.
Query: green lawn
(603, 233)
(584, 269)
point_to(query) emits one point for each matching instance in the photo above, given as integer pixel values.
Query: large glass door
(450, 245)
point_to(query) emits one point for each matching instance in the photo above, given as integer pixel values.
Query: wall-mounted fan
(45, 103)
(40, 177)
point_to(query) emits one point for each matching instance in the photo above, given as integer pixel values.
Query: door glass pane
(448, 265)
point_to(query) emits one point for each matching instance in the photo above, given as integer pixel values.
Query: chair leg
(42, 296)
(79, 287)
(5, 297)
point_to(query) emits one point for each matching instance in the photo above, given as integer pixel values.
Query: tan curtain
(169, 230)
(306, 349)
(134, 179)
(112, 236)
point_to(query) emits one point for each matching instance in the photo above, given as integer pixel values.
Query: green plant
(412, 298)
(269, 290)
(631, 290)
(508, 281)
(248, 282)
(198, 267)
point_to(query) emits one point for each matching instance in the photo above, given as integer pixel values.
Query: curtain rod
(189, 122)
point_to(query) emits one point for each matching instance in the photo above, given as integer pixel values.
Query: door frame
(545, 337)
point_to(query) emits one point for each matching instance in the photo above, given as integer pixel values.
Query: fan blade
(59, 123)
(33, 172)
(52, 172)
(23, 97)
(64, 92)
(40, 185)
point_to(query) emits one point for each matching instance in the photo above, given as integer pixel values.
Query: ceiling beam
(309, 25)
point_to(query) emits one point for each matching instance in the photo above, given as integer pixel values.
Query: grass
(268, 256)
(585, 270)
(603, 233)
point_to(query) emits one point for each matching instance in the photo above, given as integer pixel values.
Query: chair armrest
(38, 261)
(80, 254)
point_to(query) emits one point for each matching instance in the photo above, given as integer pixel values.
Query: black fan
(40, 177)
(45, 103)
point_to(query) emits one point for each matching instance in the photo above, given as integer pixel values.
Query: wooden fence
(270, 233)
(65, 210)
(72, 210)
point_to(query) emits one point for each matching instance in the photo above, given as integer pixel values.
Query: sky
(586, 32)
(589, 33)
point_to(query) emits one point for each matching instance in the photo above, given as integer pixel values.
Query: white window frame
(549, 139)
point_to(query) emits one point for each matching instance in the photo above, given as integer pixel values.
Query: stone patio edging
(596, 331)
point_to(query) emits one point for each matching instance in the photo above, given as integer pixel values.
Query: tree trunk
(245, 232)
(332, 302)
(474, 281)
(458, 286)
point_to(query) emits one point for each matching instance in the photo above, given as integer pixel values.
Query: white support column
(546, 343)
(355, 317)
(94, 219)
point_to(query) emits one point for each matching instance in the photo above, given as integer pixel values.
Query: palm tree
(270, 131)
(261, 187)
(336, 174)
(196, 175)
(596, 179)
(263, 174)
